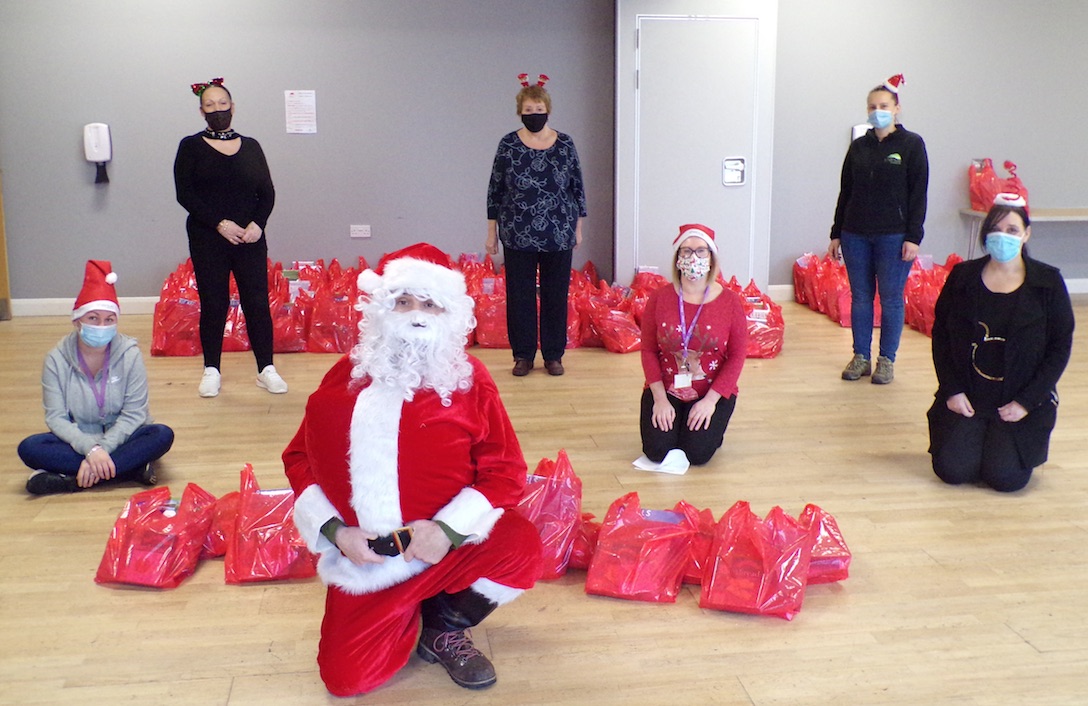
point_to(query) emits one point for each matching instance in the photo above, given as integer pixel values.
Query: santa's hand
(352, 543)
(429, 542)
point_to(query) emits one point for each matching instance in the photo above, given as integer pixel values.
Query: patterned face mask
(693, 267)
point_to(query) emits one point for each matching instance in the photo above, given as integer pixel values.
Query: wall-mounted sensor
(97, 148)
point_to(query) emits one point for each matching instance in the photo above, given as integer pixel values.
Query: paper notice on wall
(301, 110)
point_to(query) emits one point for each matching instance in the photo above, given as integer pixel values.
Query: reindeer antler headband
(199, 88)
(541, 80)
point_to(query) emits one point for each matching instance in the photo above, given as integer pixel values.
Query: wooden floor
(957, 595)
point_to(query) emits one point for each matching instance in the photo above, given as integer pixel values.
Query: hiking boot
(885, 371)
(147, 476)
(858, 367)
(46, 483)
(467, 666)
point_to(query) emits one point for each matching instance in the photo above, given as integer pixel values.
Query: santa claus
(403, 469)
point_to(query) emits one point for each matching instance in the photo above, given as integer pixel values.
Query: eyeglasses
(688, 252)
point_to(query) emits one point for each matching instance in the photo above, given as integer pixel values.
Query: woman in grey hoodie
(94, 390)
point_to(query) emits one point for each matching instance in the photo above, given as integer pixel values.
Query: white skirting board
(146, 305)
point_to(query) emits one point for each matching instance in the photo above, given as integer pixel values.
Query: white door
(694, 121)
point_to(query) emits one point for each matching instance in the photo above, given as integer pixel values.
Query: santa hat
(98, 292)
(893, 83)
(1010, 198)
(421, 269)
(695, 230)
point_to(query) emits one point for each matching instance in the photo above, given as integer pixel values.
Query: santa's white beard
(411, 351)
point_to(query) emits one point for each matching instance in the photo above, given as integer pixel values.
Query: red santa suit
(365, 455)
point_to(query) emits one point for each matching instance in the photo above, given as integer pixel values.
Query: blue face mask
(1002, 246)
(880, 118)
(97, 336)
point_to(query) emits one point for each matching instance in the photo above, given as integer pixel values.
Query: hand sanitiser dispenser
(97, 148)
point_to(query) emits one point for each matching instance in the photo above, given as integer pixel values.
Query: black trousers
(214, 259)
(698, 445)
(521, 291)
(979, 450)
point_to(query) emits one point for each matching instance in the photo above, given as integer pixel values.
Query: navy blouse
(537, 196)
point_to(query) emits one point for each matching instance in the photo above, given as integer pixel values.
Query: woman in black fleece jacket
(879, 226)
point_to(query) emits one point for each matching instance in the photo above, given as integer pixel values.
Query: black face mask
(534, 122)
(219, 120)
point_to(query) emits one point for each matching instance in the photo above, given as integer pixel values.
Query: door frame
(628, 14)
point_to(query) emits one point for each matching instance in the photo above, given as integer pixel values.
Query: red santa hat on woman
(98, 293)
(695, 230)
(420, 269)
(894, 82)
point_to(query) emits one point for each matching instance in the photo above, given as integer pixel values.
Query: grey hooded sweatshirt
(71, 411)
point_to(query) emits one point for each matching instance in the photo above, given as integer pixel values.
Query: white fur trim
(96, 305)
(337, 570)
(312, 511)
(471, 514)
(695, 233)
(440, 283)
(368, 281)
(375, 436)
(496, 592)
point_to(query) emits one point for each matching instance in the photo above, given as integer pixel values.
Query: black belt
(392, 544)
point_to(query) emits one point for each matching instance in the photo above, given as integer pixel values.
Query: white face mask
(693, 267)
(97, 336)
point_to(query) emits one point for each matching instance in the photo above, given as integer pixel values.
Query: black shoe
(467, 666)
(46, 483)
(554, 367)
(522, 366)
(147, 476)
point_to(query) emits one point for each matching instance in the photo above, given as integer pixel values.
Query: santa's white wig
(415, 350)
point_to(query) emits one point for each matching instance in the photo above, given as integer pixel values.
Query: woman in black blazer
(1002, 335)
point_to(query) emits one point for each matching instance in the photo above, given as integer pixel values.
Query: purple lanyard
(98, 390)
(685, 330)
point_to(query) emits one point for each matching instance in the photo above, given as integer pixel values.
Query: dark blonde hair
(534, 93)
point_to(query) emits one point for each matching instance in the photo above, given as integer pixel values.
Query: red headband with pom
(541, 80)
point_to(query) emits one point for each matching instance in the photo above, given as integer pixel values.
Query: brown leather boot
(467, 666)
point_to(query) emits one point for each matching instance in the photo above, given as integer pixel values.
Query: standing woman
(94, 390)
(222, 180)
(694, 342)
(878, 227)
(1002, 334)
(535, 206)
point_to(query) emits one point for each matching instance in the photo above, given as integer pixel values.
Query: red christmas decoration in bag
(585, 542)
(983, 184)
(830, 556)
(155, 541)
(757, 566)
(552, 501)
(641, 554)
(265, 544)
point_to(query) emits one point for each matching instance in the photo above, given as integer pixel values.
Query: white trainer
(209, 383)
(270, 380)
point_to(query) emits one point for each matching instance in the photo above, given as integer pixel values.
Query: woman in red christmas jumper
(694, 341)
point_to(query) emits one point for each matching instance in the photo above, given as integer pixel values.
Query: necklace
(228, 134)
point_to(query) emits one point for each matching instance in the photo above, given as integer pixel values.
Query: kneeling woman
(694, 341)
(94, 389)
(1002, 333)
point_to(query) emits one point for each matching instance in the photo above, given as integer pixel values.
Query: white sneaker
(674, 463)
(209, 383)
(270, 380)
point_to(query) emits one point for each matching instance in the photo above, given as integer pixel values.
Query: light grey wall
(984, 79)
(412, 98)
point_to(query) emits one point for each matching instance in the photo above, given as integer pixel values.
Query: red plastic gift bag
(757, 566)
(830, 555)
(176, 325)
(641, 554)
(701, 541)
(552, 501)
(224, 517)
(155, 541)
(585, 542)
(984, 184)
(265, 544)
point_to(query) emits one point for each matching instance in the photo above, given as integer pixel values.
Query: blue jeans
(875, 263)
(48, 452)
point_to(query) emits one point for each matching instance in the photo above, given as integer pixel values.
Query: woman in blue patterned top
(535, 206)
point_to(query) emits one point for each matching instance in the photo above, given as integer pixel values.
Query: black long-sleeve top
(213, 186)
(883, 187)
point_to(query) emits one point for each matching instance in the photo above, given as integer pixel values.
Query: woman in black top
(222, 180)
(1002, 334)
(878, 227)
